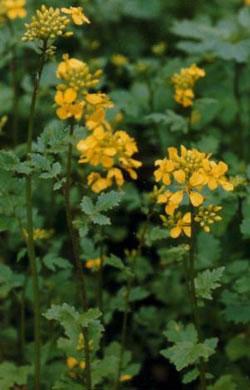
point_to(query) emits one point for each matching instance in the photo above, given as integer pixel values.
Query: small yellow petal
(196, 198)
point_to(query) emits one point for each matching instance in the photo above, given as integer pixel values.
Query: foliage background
(215, 35)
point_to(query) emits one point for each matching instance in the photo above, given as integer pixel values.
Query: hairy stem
(193, 298)
(76, 254)
(30, 227)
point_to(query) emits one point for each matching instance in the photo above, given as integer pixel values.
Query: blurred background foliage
(139, 44)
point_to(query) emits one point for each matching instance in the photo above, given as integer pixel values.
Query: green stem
(193, 298)
(76, 254)
(15, 102)
(30, 228)
(124, 334)
(127, 296)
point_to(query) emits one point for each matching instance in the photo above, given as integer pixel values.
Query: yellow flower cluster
(12, 9)
(184, 177)
(184, 83)
(111, 150)
(207, 216)
(188, 173)
(72, 97)
(50, 23)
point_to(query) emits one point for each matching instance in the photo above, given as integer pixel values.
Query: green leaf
(9, 280)
(115, 262)
(11, 375)
(87, 205)
(208, 281)
(225, 382)
(177, 332)
(52, 262)
(238, 348)
(107, 200)
(190, 376)
(186, 350)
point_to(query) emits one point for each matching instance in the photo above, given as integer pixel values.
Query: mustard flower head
(72, 97)
(76, 74)
(112, 152)
(49, 23)
(185, 175)
(12, 9)
(184, 83)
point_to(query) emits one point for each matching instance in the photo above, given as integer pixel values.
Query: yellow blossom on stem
(12, 9)
(188, 173)
(184, 83)
(178, 224)
(77, 15)
(68, 107)
(112, 151)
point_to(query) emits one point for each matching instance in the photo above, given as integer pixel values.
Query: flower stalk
(192, 294)
(30, 226)
(76, 254)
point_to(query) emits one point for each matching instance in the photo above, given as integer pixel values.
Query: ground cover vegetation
(124, 197)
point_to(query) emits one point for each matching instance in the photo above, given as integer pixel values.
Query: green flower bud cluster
(206, 216)
(47, 24)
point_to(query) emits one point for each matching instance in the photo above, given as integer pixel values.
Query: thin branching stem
(76, 254)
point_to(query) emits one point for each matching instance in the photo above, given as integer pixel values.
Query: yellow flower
(188, 172)
(68, 107)
(178, 224)
(119, 60)
(112, 151)
(125, 378)
(247, 2)
(12, 9)
(184, 82)
(215, 174)
(97, 182)
(93, 264)
(77, 15)
(71, 362)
